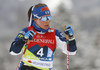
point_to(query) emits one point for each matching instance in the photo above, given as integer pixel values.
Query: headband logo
(44, 8)
(47, 12)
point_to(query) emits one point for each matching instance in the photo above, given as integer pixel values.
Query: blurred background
(82, 15)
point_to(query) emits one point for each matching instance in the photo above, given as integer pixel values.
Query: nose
(47, 20)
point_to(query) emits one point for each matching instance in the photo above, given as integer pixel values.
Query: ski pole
(28, 41)
(68, 55)
(23, 54)
(67, 38)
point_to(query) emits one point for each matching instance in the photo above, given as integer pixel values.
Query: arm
(18, 43)
(20, 40)
(61, 43)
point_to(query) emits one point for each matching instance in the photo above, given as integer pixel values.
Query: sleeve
(18, 43)
(61, 43)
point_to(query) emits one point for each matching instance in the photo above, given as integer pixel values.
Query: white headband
(30, 22)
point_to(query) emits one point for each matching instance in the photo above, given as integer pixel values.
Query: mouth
(46, 25)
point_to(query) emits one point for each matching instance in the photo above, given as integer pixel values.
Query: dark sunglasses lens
(49, 18)
(46, 18)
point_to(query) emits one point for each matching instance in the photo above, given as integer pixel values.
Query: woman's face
(43, 24)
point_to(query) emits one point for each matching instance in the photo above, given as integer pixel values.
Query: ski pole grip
(67, 36)
(28, 41)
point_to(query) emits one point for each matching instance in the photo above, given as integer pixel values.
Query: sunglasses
(45, 18)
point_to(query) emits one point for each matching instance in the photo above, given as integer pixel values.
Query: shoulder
(24, 30)
(60, 35)
(57, 32)
(21, 33)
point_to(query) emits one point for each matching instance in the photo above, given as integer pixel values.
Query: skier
(42, 40)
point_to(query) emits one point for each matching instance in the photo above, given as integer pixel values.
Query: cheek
(41, 24)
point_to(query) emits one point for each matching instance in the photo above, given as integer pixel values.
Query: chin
(46, 28)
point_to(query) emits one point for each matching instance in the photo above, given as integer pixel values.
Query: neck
(37, 28)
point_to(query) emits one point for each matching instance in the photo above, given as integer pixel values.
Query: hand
(68, 30)
(69, 33)
(29, 35)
